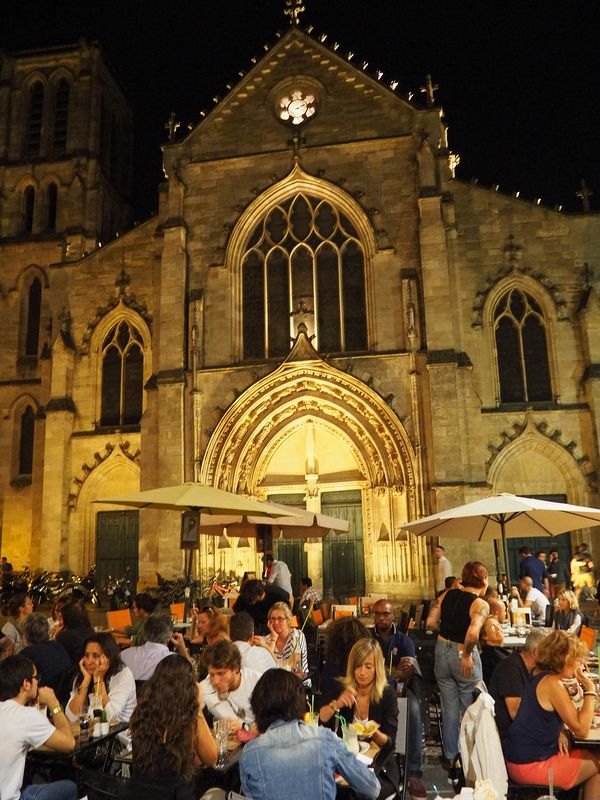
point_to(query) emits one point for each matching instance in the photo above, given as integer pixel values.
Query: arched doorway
(310, 431)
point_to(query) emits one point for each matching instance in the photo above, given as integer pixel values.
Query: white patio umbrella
(299, 523)
(504, 516)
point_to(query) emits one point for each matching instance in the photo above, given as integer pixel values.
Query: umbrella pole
(497, 557)
(505, 551)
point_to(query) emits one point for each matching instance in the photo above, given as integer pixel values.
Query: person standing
(559, 575)
(442, 568)
(279, 575)
(460, 614)
(582, 570)
(534, 567)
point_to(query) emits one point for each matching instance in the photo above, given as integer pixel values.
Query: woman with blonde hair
(532, 745)
(285, 641)
(568, 617)
(367, 695)
(209, 625)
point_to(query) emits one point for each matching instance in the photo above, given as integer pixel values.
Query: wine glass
(221, 729)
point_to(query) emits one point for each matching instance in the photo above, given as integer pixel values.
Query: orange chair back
(177, 611)
(317, 616)
(338, 614)
(119, 619)
(294, 621)
(353, 601)
(587, 636)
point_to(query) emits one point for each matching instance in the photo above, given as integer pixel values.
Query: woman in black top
(169, 731)
(460, 614)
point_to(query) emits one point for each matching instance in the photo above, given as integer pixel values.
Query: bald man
(532, 598)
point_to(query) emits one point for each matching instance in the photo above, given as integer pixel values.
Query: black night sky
(519, 79)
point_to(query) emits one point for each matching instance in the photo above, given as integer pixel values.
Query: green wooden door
(291, 550)
(343, 553)
(117, 545)
(562, 543)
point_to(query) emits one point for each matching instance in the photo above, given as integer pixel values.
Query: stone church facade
(320, 313)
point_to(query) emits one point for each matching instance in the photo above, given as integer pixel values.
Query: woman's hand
(563, 744)
(101, 669)
(466, 663)
(347, 698)
(83, 670)
(272, 629)
(585, 681)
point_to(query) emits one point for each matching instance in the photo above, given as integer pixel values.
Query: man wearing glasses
(24, 727)
(401, 665)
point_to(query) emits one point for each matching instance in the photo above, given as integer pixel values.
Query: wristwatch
(58, 709)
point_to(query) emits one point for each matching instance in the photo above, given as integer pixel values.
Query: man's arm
(62, 740)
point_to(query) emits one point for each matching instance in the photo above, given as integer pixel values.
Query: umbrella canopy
(503, 516)
(302, 523)
(199, 497)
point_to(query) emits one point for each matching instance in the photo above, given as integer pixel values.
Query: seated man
(23, 728)
(256, 598)
(142, 659)
(143, 607)
(509, 679)
(254, 656)
(491, 650)
(228, 688)
(308, 594)
(497, 610)
(399, 658)
(49, 656)
(532, 598)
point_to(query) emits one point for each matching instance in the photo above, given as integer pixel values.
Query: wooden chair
(587, 636)
(177, 611)
(119, 619)
(345, 610)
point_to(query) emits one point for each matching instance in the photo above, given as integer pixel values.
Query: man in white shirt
(142, 659)
(254, 656)
(279, 575)
(442, 568)
(228, 688)
(533, 599)
(23, 727)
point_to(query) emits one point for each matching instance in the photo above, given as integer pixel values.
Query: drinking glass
(296, 662)
(221, 729)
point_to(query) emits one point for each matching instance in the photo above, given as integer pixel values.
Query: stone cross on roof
(293, 10)
(429, 90)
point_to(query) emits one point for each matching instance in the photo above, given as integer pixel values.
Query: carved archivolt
(123, 448)
(260, 418)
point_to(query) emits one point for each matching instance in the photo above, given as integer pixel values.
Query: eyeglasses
(277, 619)
(207, 610)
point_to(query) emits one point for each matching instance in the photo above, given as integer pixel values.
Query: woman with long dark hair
(102, 672)
(460, 614)
(76, 628)
(168, 728)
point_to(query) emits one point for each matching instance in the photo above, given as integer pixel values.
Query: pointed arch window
(61, 116)
(34, 310)
(34, 122)
(304, 260)
(522, 349)
(28, 207)
(122, 376)
(51, 206)
(26, 437)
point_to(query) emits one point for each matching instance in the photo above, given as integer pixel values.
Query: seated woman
(342, 635)
(367, 695)
(532, 745)
(568, 617)
(286, 644)
(102, 672)
(209, 625)
(490, 645)
(19, 608)
(169, 731)
(291, 760)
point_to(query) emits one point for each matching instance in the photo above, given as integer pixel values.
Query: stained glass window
(26, 435)
(122, 376)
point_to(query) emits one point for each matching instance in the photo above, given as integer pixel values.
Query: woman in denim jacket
(291, 760)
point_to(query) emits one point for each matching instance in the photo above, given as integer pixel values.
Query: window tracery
(26, 440)
(303, 262)
(521, 348)
(122, 376)
(33, 137)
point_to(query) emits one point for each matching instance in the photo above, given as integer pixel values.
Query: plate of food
(367, 730)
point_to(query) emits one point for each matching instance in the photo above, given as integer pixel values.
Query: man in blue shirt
(401, 664)
(534, 567)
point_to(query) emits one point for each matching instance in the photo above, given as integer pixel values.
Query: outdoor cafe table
(226, 777)
(45, 761)
(589, 742)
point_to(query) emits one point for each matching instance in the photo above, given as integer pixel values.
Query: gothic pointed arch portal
(309, 429)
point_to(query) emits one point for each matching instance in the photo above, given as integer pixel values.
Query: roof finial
(293, 9)
(429, 90)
